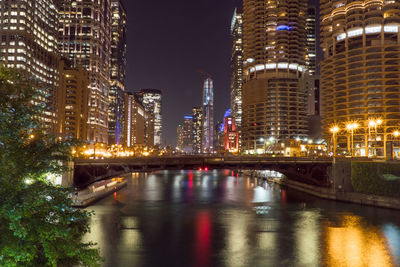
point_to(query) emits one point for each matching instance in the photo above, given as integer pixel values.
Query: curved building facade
(360, 75)
(274, 93)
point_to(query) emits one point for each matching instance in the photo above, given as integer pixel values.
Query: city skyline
(169, 56)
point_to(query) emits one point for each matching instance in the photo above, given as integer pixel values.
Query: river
(221, 218)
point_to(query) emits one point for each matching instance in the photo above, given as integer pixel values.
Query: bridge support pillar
(68, 175)
(341, 173)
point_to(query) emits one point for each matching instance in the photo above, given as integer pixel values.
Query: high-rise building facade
(187, 135)
(360, 72)
(237, 66)
(197, 113)
(311, 56)
(85, 39)
(152, 101)
(274, 91)
(72, 101)
(28, 35)
(179, 138)
(117, 72)
(208, 116)
(136, 119)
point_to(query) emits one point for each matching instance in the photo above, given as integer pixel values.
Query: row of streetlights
(352, 126)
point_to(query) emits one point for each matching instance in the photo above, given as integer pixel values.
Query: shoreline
(340, 196)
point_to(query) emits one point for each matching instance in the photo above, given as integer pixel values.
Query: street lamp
(351, 127)
(334, 130)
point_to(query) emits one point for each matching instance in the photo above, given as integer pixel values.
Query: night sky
(169, 42)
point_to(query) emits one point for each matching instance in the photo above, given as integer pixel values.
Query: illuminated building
(274, 89)
(179, 141)
(72, 100)
(28, 33)
(360, 72)
(118, 70)
(311, 57)
(187, 135)
(237, 66)
(152, 101)
(136, 120)
(231, 135)
(197, 114)
(208, 116)
(84, 38)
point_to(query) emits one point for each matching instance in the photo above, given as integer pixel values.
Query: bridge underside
(315, 173)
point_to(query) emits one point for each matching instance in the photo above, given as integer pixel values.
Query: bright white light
(259, 67)
(356, 32)
(373, 29)
(391, 29)
(341, 36)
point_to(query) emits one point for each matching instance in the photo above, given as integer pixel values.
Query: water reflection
(352, 242)
(194, 218)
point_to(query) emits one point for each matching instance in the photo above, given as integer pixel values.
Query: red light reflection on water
(190, 179)
(203, 240)
(283, 196)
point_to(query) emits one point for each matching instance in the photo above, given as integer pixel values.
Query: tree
(38, 226)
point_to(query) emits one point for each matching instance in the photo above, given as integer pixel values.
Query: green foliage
(38, 227)
(376, 178)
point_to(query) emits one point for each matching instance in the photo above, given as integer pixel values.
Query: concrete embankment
(85, 198)
(326, 193)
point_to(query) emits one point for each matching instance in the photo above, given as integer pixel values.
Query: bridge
(315, 171)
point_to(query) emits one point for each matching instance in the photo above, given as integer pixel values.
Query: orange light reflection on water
(353, 243)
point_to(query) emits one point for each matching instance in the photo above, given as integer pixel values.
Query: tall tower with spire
(208, 116)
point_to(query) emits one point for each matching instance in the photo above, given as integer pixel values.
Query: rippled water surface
(192, 218)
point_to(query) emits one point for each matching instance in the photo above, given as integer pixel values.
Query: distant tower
(179, 136)
(152, 101)
(187, 135)
(197, 129)
(208, 116)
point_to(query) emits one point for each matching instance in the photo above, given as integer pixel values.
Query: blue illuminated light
(188, 118)
(283, 28)
(228, 113)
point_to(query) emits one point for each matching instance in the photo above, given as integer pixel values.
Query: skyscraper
(237, 66)
(28, 33)
(187, 135)
(152, 101)
(197, 113)
(136, 118)
(179, 138)
(311, 57)
(118, 71)
(208, 116)
(274, 91)
(84, 38)
(360, 72)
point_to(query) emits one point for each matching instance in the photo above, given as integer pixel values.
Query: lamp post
(334, 130)
(351, 127)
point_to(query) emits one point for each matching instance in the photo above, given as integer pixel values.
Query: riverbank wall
(335, 195)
